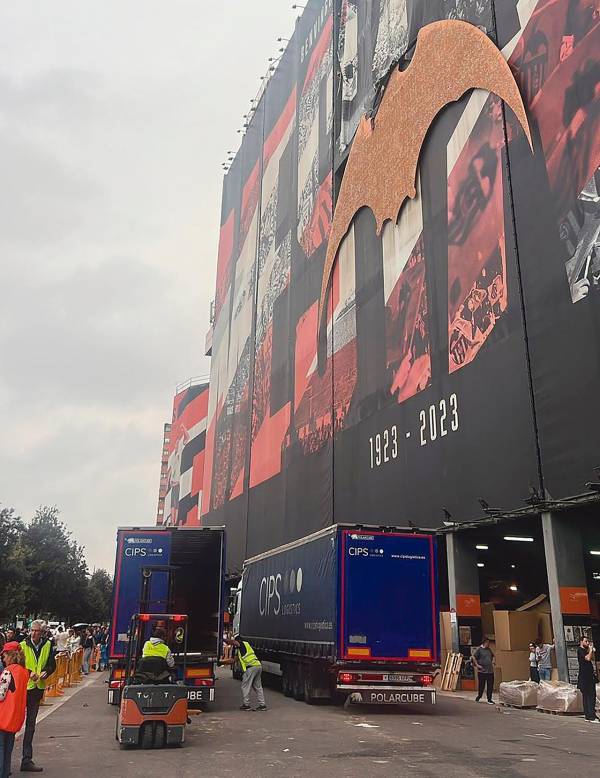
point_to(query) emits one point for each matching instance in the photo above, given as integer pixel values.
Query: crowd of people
(27, 660)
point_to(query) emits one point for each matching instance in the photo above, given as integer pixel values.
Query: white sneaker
(593, 721)
(490, 702)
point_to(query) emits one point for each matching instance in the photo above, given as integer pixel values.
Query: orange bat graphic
(450, 58)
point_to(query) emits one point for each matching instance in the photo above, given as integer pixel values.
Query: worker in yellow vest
(39, 660)
(156, 646)
(251, 669)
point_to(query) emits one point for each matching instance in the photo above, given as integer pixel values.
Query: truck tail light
(426, 680)
(144, 617)
(346, 677)
(198, 672)
(204, 682)
(116, 684)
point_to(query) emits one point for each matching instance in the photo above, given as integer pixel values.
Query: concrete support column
(463, 585)
(567, 586)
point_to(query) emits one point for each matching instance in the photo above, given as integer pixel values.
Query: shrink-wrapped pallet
(560, 697)
(598, 700)
(520, 694)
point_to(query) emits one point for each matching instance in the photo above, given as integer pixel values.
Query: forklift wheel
(160, 735)
(148, 732)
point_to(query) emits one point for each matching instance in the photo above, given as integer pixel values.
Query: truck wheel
(309, 696)
(299, 684)
(286, 687)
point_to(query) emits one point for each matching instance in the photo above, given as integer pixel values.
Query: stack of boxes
(510, 633)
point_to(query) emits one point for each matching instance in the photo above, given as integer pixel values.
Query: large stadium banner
(554, 50)
(186, 449)
(459, 351)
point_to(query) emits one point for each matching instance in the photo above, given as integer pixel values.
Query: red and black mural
(459, 359)
(185, 451)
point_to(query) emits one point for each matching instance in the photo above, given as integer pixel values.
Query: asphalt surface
(455, 738)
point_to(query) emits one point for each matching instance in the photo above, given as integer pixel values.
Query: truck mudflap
(389, 695)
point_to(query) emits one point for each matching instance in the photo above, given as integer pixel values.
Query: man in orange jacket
(13, 701)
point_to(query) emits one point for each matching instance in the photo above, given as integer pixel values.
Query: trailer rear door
(388, 597)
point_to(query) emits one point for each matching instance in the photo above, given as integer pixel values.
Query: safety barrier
(67, 673)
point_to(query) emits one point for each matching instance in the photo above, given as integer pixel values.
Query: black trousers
(534, 674)
(589, 701)
(34, 697)
(485, 679)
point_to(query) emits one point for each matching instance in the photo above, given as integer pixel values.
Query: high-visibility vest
(155, 649)
(36, 664)
(12, 708)
(248, 658)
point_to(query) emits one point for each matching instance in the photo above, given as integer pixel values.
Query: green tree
(99, 596)
(56, 566)
(14, 577)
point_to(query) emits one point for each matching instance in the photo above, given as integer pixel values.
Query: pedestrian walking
(88, 650)
(104, 649)
(252, 672)
(39, 660)
(13, 701)
(74, 642)
(544, 657)
(61, 640)
(483, 659)
(586, 679)
(534, 673)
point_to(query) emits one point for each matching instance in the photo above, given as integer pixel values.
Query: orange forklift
(153, 709)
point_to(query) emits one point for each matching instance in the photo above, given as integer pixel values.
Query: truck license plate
(398, 678)
(398, 698)
(194, 695)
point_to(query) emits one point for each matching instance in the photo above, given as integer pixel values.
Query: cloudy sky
(115, 117)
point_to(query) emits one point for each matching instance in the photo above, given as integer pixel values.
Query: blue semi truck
(346, 612)
(176, 570)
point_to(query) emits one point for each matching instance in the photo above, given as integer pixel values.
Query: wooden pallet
(558, 712)
(451, 672)
(517, 707)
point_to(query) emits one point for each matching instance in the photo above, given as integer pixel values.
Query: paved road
(292, 739)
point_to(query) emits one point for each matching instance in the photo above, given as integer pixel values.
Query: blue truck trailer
(177, 570)
(346, 611)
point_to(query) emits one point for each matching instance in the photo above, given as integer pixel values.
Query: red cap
(11, 646)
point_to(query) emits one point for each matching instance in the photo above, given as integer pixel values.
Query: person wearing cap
(251, 669)
(39, 660)
(13, 701)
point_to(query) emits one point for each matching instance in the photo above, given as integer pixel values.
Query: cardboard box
(487, 618)
(514, 630)
(513, 664)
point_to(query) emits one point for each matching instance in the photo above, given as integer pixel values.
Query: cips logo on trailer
(362, 551)
(273, 587)
(141, 547)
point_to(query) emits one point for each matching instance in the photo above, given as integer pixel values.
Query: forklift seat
(152, 670)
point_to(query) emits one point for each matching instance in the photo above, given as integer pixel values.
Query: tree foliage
(43, 571)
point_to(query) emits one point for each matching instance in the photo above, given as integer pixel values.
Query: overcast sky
(115, 117)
